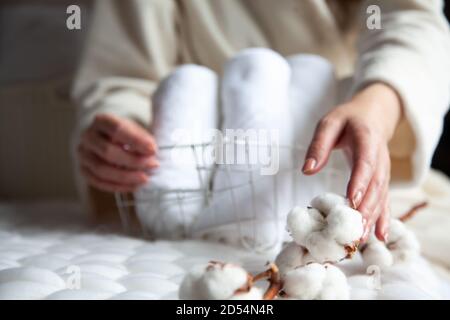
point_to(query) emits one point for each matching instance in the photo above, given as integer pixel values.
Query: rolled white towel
(185, 113)
(255, 101)
(312, 94)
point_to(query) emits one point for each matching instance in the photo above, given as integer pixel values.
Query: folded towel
(312, 94)
(185, 114)
(251, 186)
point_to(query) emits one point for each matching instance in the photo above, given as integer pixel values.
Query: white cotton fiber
(402, 247)
(402, 242)
(335, 286)
(344, 224)
(316, 282)
(255, 109)
(185, 112)
(328, 229)
(376, 253)
(291, 257)
(326, 202)
(216, 281)
(324, 248)
(253, 294)
(304, 283)
(222, 282)
(303, 221)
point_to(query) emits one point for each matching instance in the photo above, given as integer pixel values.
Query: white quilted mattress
(49, 251)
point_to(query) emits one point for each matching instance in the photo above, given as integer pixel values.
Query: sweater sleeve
(131, 45)
(410, 52)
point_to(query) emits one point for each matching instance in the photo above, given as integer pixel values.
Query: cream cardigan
(135, 43)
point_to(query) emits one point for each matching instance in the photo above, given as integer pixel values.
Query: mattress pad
(50, 251)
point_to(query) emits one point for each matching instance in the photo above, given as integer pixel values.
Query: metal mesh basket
(243, 189)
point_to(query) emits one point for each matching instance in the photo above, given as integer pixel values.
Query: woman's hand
(115, 154)
(362, 127)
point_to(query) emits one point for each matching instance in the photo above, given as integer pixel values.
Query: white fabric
(133, 45)
(313, 93)
(118, 267)
(254, 96)
(265, 100)
(185, 112)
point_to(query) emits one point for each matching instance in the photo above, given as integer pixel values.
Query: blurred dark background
(441, 159)
(38, 60)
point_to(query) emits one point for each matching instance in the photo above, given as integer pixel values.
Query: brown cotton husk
(351, 249)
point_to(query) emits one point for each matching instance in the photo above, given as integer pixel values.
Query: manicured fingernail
(309, 165)
(152, 163)
(356, 201)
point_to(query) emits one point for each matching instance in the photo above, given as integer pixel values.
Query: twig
(411, 212)
(273, 276)
(275, 283)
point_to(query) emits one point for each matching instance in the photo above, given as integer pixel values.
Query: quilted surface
(51, 252)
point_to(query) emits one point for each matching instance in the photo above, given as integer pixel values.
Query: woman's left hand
(361, 127)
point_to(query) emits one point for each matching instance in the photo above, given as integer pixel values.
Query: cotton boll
(324, 248)
(316, 281)
(396, 230)
(216, 281)
(301, 222)
(253, 294)
(220, 282)
(376, 253)
(406, 248)
(304, 283)
(335, 286)
(344, 224)
(327, 230)
(328, 201)
(402, 243)
(402, 246)
(291, 257)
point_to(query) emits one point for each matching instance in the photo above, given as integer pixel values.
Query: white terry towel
(312, 94)
(254, 96)
(185, 113)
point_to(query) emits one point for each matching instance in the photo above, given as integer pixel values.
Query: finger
(326, 135)
(100, 184)
(373, 203)
(373, 217)
(382, 226)
(127, 133)
(113, 154)
(107, 172)
(364, 164)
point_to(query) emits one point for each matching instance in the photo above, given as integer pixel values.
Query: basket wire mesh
(332, 178)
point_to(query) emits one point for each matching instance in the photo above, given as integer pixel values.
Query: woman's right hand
(115, 154)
